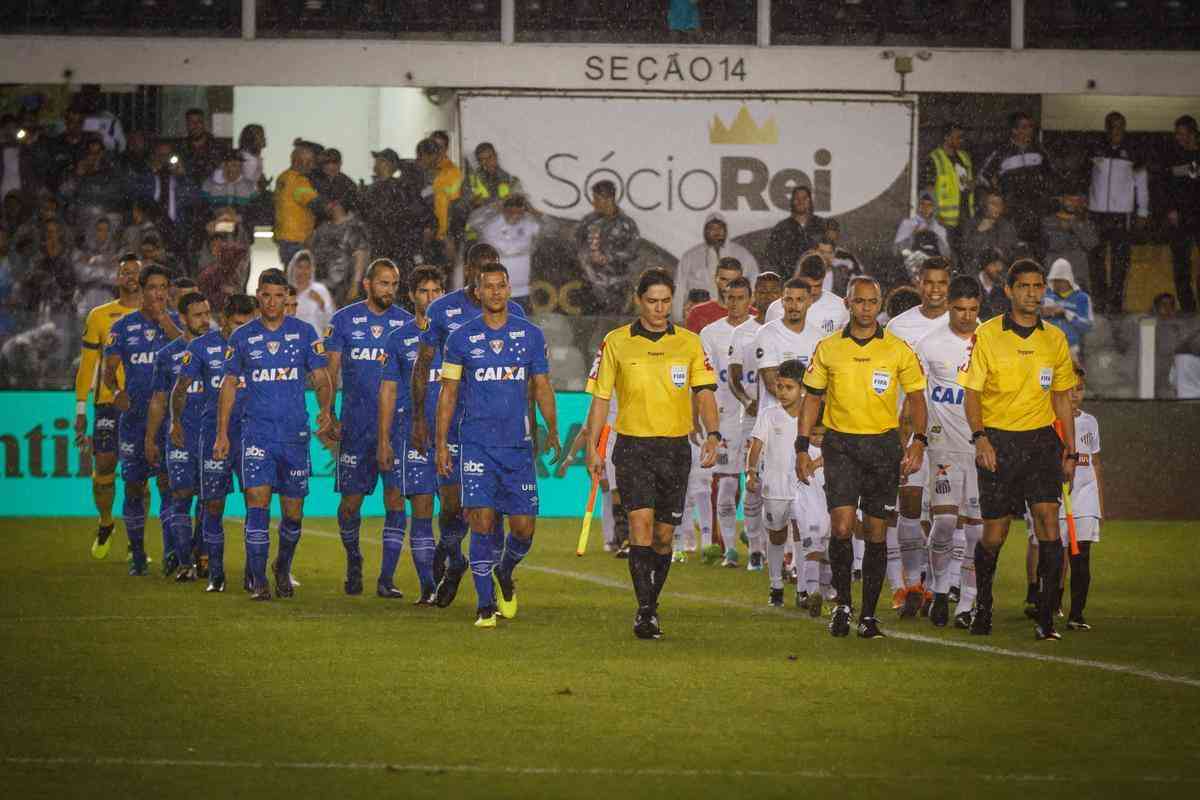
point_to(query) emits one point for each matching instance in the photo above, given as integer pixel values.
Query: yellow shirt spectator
(294, 222)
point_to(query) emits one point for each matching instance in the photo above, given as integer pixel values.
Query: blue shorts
(104, 428)
(132, 451)
(357, 466)
(500, 478)
(453, 479)
(183, 464)
(412, 472)
(216, 477)
(284, 466)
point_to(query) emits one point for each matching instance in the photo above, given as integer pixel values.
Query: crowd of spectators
(79, 193)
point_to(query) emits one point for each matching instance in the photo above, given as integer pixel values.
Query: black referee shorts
(1028, 470)
(862, 470)
(652, 472)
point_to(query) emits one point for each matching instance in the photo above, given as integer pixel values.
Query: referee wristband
(801, 444)
(80, 407)
(922, 438)
(977, 435)
(717, 434)
(1072, 456)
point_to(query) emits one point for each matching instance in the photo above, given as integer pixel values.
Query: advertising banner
(43, 474)
(675, 161)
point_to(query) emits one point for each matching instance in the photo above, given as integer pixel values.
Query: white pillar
(1146, 352)
(249, 19)
(508, 21)
(1016, 21)
(764, 23)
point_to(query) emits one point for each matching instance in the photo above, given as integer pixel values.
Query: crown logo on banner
(744, 130)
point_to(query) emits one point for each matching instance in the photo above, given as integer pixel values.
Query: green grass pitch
(121, 687)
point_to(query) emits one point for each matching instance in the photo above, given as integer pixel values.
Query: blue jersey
(167, 366)
(359, 334)
(275, 365)
(494, 368)
(400, 355)
(204, 363)
(446, 315)
(137, 340)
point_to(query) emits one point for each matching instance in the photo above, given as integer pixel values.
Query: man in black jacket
(794, 236)
(1183, 206)
(1020, 170)
(399, 222)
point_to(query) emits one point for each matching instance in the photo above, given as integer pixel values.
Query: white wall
(406, 117)
(1085, 112)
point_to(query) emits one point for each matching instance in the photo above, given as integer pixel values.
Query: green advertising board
(45, 475)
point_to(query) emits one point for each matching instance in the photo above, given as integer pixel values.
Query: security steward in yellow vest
(1018, 378)
(859, 372)
(949, 175)
(659, 371)
(487, 182)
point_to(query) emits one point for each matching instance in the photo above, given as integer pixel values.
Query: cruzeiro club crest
(497, 345)
(377, 331)
(273, 347)
(150, 334)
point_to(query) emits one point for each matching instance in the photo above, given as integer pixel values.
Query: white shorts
(777, 513)
(919, 478)
(1087, 529)
(812, 520)
(954, 481)
(700, 480)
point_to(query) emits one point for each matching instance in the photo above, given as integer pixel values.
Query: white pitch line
(499, 769)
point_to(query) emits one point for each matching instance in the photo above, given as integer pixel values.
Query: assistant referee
(858, 372)
(1018, 379)
(657, 370)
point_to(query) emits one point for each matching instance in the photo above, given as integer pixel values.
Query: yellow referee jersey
(654, 373)
(95, 333)
(1015, 369)
(860, 379)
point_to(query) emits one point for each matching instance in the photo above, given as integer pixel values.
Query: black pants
(1113, 229)
(1183, 238)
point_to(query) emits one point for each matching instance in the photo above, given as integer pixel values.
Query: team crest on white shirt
(678, 375)
(273, 347)
(880, 381)
(377, 331)
(497, 345)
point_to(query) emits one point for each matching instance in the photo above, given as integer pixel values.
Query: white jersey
(776, 429)
(912, 326)
(742, 352)
(717, 338)
(775, 343)
(1085, 490)
(943, 353)
(828, 312)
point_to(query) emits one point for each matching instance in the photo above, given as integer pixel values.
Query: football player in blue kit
(411, 472)
(182, 456)
(204, 364)
(275, 354)
(449, 313)
(354, 345)
(496, 362)
(132, 344)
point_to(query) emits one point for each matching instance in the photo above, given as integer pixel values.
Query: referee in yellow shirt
(1018, 378)
(103, 441)
(858, 372)
(658, 370)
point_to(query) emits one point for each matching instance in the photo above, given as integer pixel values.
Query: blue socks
(453, 531)
(214, 539)
(514, 551)
(422, 546)
(289, 537)
(258, 543)
(393, 543)
(483, 558)
(348, 526)
(166, 510)
(134, 512)
(181, 528)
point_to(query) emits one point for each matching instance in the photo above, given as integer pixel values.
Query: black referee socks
(642, 561)
(841, 561)
(874, 566)
(1049, 569)
(662, 566)
(985, 572)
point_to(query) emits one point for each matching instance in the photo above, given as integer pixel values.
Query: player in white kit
(815, 576)
(953, 484)
(717, 339)
(697, 507)
(771, 468)
(827, 311)
(907, 537)
(743, 384)
(1087, 506)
